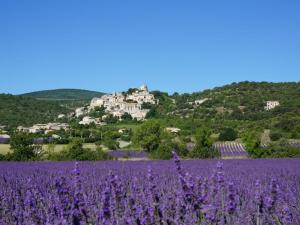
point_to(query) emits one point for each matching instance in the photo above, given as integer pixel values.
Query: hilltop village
(118, 104)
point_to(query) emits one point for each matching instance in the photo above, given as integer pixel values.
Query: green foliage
(276, 151)
(168, 144)
(97, 112)
(204, 153)
(275, 135)
(126, 117)
(2, 157)
(110, 119)
(127, 136)
(203, 148)
(251, 139)
(228, 134)
(147, 105)
(180, 148)
(109, 138)
(238, 105)
(111, 143)
(75, 151)
(153, 113)
(164, 152)
(64, 94)
(22, 147)
(75, 148)
(17, 110)
(148, 135)
(288, 123)
(165, 105)
(203, 137)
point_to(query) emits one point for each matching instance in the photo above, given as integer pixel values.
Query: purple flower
(231, 198)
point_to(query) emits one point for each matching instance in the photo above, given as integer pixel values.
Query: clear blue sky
(182, 46)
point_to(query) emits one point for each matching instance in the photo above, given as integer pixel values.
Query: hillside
(245, 98)
(26, 111)
(237, 105)
(64, 94)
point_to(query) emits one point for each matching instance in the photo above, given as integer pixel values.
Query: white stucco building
(44, 128)
(271, 105)
(80, 111)
(201, 101)
(173, 130)
(88, 120)
(118, 104)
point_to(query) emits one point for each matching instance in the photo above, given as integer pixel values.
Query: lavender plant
(199, 192)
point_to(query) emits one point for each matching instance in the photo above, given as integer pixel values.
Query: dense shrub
(75, 151)
(276, 152)
(275, 136)
(22, 147)
(228, 134)
(148, 135)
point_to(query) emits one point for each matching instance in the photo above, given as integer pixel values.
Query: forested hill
(64, 94)
(238, 105)
(26, 111)
(244, 98)
(233, 105)
(253, 95)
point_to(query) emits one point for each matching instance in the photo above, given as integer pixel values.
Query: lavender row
(231, 149)
(153, 192)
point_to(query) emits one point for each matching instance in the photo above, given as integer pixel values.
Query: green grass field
(58, 148)
(4, 148)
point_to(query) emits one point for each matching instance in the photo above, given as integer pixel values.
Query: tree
(275, 136)
(203, 138)
(152, 113)
(148, 135)
(228, 134)
(126, 116)
(147, 105)
(204, 152)
(111, 119)
(75, 148)
(97, 112)
(111, 143)
(75, 151)
(203, 148)
(22, 146)
(164, 151)
(252, 140)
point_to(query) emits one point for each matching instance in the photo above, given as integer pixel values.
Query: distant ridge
(237, 104)
(64, 94)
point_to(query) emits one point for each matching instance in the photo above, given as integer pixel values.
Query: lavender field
(231, 149)
(154, 192)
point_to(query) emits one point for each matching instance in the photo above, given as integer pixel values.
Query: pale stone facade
(118, 104)
(44, 128)
(201, 101)
(173, 130)
(88, 120)
(80, 112)
(271, 105)
(60, 116)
